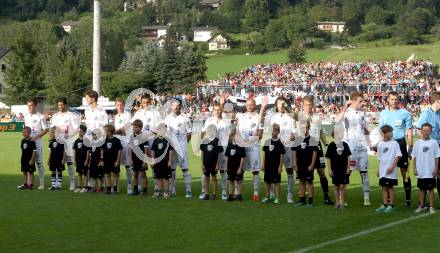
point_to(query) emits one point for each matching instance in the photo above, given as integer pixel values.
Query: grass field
(219, 65)
(44, 221)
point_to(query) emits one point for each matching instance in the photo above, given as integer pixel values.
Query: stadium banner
(11, 126)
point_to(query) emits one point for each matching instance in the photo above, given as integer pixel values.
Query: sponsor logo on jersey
(109, 145)
(160, 145)
(425, 149)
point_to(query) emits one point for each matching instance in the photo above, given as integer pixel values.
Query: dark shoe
(230, 198)
(329, 202)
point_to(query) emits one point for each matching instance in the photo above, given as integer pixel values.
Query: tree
(24, 75)
(353, 26)
(296, 53)
(66, 74)
(256, 14)
(317, 13)
(256, 43)
(411, 26)
(435, 30)
(376, 15)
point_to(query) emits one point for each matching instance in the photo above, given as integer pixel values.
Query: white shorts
(288, 158)
(359, 160)
(182, 161)
(252, 161)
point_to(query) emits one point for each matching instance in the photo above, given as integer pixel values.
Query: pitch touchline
(362, 233)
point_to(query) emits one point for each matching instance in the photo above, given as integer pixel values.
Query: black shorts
(320, 158)
(96, 172)
(232, 175)
(58, 168)
(426, 184)
(272, 176)
(162, 172)
(209, 171)
(383, 181)
(305, 175)
(25, 167)
(137, 166)
(111, 169)
(81, 169)
(403, 161)
(339, 179)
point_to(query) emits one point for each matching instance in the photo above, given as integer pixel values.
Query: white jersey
(122, 121)
(425, 153)
(69, 124)
(354, 124)
(387, 152)
(223, 129)
(36, 122)
(95, 119)
(287, 126)
(150, 119)
(179, 126)
(247, 124)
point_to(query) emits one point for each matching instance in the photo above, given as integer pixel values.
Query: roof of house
(219, 33)
(331, 23)
(206, 28)
(211, 2)
(70, 23)
(155, 27)
(4, 51)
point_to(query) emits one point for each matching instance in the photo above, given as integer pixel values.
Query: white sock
(71, 175)
(187, 177)
(256, 184)
(40, 172)
(290, 185)
(202, 179)
(129, 174)
(272, 191)
(235, 188)
(365, 184)
(224, 182)
(156, 187)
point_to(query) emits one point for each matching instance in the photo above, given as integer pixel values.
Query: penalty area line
(362, 233)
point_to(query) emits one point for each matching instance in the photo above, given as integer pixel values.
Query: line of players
(250, 125)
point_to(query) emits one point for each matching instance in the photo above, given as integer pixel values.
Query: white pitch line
(362, 233)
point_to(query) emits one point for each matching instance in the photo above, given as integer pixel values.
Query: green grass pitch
(44, 221)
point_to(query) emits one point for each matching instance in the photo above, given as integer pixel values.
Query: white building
(203, 34)
(4, 51)
(154, 31)
(211, 4)
(334, 27)
(218, 42)
(69, 25)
